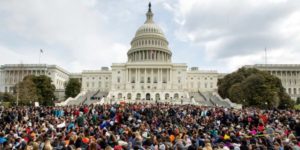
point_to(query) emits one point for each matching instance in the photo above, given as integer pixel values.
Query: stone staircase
(216, 100)
(95, 97)
(200, 99)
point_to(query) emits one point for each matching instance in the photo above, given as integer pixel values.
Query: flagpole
(266, 56)
(41, 51)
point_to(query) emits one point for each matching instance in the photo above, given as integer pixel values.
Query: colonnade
(290, 80)
(152, 55)
(141, 75)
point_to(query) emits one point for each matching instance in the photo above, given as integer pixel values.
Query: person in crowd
(158, 126)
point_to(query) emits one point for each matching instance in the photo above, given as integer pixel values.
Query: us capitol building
(148, 74)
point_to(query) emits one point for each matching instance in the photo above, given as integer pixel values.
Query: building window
(118, 72)
(87, 84)
(119, 80)
(148, 80)
(205, 85)
(99, 84)
(167, 96)
(295, 91)
(211, 85)
(138, 96)
(129, 96)
(119, 95)
(93, 84)
(176, 96)
(164, 80)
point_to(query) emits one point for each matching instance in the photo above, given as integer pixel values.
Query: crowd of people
(148, 126)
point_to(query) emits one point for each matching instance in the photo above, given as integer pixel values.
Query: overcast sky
(211, 34)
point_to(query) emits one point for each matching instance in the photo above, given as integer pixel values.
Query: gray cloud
(88, 34)
(237, 28)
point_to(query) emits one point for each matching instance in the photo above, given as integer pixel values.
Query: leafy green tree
(7, 97)
(45, 90)
(36, 88)
(27, 91)
(298, 101)
(73, 87)
(252, 87)
(236, 93)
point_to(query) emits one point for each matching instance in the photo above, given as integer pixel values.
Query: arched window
(129, 96)
(176, 96)
(119, 95)
(157, 97)
(148, 96)
(167, 96)
(138, 96)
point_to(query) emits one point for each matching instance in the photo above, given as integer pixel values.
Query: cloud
(227, 30)
(88, 34)
(72, 33)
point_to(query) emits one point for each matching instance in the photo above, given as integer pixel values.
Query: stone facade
(11, 74)
(289, 74)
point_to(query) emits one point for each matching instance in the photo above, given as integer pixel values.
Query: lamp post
(113, 99)
(181, 100)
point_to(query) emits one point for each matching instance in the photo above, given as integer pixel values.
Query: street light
(181, 100)
(112, 99)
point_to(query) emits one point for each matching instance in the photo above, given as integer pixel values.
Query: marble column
(152, 76)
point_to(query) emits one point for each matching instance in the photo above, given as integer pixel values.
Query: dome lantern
(149, 14)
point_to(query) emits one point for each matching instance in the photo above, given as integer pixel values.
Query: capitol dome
(149, 43)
